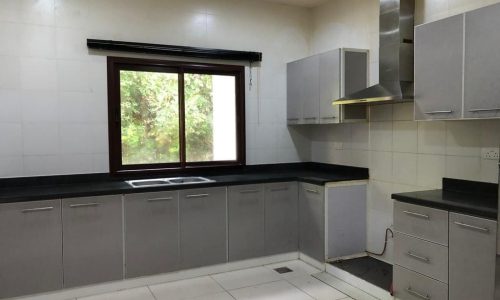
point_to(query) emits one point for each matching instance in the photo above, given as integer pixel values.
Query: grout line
(151, 291)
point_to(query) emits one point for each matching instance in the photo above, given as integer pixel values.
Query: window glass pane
(210, 104)
(149, 117)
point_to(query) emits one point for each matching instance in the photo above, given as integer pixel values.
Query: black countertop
(461, 196)
(71, 186)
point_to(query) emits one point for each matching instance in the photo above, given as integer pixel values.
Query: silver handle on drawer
(29, 210)
(312, 191)
(293, 119)
(249, 191)
(279, 189)
(416, 214)
(483, 109)
(310, 118)
(438, 112)
(422, 258)
(160, 199)
(197, 196)
(417, 294)
(483, 229)
(326, 118)
(83, 205)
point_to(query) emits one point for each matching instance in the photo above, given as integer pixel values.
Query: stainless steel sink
(167, 181)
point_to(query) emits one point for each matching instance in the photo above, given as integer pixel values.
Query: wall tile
(73, 76)
(430, 170)
(432, 137)
(41, 165)
(381, 165)
(381, 136)
(39, 106)
(40, 139)
(360, 136)
(403, 111)
(11, 166)
(11, 139)
(38, 74)
(489, 171)
(405, 136)
(383, 112)
(37, 41)
(463, 138)
(10, 102)
(405, 168)
(463, 167)
(10, 79)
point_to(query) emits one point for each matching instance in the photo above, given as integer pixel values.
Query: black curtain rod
(171, 50)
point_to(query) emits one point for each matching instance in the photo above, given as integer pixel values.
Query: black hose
(385, 243)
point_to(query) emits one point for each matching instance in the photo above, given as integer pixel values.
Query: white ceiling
(304, 3)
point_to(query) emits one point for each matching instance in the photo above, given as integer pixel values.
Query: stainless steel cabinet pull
(160, 199)
(197, 196)
(83, 205)
(483, 229)
(279, 189)
(438, 112)
(293, 119)
(332, 117)
(483, 109)
(417, 294)
(249, 191)
(416, 214)
(28, 210)
(310, 118)
(312, 191)
(422, 258)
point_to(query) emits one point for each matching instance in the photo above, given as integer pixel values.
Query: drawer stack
(420, 252)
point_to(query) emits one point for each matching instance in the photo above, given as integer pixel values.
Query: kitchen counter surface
(476, 199)
(54, 187)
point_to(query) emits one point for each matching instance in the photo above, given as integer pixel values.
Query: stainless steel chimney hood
(395, 56)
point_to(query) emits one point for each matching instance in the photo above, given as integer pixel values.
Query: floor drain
(283, 270)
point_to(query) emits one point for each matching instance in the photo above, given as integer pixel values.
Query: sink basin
(167, 181)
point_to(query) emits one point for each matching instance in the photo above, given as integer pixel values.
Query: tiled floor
(257, 283)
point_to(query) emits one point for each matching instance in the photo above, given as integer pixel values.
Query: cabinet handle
(332, 117)
(483, 109)
(438, 112)
(197, 196)
(249, 191)
(422, 258)
(416, 214)
(483, 229)
(312, 191)
(84, 205)
(293, 119)
(417, 294)
(160, 199)
(29, 210)
(279, 189)
(310, 118)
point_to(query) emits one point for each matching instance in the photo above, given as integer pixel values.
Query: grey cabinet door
(355, 78)
(281, 211)
(329, 86)
(482, 62)
(30, 248)
(151, 233)
(246, 221)
(472, 254)
(438, 69)
(294, 92)
(92, 240)
(312, 221)
(203, 227)
(310, 92)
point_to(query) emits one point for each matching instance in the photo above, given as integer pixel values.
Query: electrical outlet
(490, 153)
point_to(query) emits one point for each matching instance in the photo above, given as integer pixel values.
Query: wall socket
(490, 153)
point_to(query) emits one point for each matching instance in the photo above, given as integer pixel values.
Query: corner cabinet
(315, 81)
(456, 66)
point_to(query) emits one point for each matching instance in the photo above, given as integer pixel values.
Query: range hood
(395, 56)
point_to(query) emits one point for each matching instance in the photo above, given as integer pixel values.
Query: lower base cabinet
(151, 233)
(202, 227)
(410, 285)
(92, 240)
(30, 248)
(312, 221)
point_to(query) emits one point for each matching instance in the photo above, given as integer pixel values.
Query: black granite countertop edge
(101, 187)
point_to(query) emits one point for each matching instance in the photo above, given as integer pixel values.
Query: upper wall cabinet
(456, 66)
(313, 82)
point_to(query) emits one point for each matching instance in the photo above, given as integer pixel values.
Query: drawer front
(409, 285)
(424, 222)
(421, 256)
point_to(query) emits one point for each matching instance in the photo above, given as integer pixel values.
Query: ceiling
(303, 3)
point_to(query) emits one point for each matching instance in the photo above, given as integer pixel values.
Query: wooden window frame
(116, 64)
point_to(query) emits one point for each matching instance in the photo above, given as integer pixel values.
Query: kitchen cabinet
(202, 227)
(312, 221)
(481, 63)
(315, 81)
(246, 221)
(438, 69)
(92, 240)
(30, 247)
(472, 257)
(151, 233)
(281, 217)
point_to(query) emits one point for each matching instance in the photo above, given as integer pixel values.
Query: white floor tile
(279, 290)
(218, 296)
(315, 288)
(186, 289)
(142, 293)
(344, 287)
(247, 277)
(298, 267)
